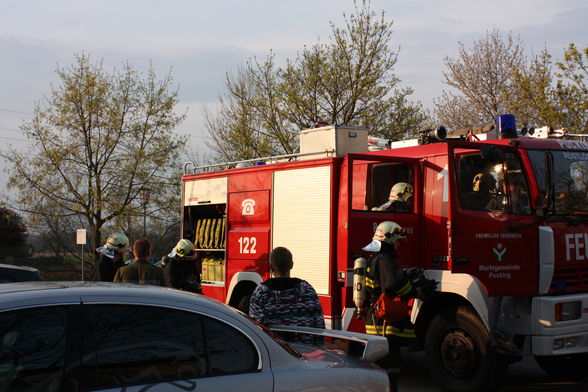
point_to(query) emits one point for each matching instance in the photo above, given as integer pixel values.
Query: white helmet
(117, 242)
(401, 191)
(386, 231)
(183, 248)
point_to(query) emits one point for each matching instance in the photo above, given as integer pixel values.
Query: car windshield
(570, 179)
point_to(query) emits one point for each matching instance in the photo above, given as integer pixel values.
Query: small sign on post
(81, 240)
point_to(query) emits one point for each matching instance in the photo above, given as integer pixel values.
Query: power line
(14, 138)
(10, 130)
(16, 112)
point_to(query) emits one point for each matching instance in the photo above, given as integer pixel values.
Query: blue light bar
(506, 126)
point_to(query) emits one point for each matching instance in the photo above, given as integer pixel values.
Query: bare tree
(479, 77)
(348, 80)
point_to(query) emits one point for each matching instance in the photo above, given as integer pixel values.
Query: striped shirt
(287, 301)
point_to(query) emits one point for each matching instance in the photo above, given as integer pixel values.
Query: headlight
(565, 311)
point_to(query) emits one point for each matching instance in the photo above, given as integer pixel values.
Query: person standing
(385, 276)
(502, 317)
(285, 300)
(141, 271)
(110, 259)
(181, 268)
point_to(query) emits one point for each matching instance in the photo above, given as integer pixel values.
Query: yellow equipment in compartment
(210, 233)
(213, 269)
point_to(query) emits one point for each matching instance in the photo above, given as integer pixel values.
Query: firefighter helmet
(183, 248)
(476, 182)
(117, 242)
(401, 191)
(483, 182)
(386, 231)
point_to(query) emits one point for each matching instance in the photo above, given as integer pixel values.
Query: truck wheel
(243, 304)
(458, 352)
(564, 367)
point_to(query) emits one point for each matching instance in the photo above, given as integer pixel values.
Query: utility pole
(144, 196)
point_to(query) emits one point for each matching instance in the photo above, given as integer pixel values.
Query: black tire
(243, 304)
(458, 353)
(564, 367)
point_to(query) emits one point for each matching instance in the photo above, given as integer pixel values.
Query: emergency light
(506, 126)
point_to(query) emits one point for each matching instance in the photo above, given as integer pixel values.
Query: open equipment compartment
(204, 223)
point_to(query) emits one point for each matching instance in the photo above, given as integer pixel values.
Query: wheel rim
(459, 354)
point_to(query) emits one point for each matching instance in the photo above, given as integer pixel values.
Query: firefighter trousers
(392, 362)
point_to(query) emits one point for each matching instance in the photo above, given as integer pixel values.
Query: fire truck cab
(499, 217)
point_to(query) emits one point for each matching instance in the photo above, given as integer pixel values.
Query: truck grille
(569, 280)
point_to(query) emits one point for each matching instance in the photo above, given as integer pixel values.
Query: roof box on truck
(332, 140)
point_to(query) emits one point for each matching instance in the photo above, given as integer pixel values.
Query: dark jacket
(182, 274)
(140, 272)
(104, 269)
(384, 275)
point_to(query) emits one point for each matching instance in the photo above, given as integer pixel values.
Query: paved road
(524, 376)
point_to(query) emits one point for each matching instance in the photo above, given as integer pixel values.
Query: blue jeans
(502, 316)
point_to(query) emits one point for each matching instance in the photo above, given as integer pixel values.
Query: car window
(229, 351)
(6, 279)
(275, 338)
(9, 275)
(32, 350)
(136, 345)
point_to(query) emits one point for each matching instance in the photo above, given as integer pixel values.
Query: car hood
(322, 369)
(328, 357)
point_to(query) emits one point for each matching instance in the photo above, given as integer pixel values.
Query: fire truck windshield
(562, 177)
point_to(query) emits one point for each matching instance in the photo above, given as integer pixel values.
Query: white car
(76, 336)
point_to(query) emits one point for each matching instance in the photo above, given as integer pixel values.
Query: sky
(199, 42)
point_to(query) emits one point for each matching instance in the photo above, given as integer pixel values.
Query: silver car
(13, 273)
(76, 336)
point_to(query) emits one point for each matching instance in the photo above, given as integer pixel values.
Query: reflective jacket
(383, 274)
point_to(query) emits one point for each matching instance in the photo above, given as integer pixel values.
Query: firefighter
(110, 259)
(385, 276)
(181, 268)
(400, 194)
(485, 195)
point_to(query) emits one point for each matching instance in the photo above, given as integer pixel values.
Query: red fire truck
(531, 242)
